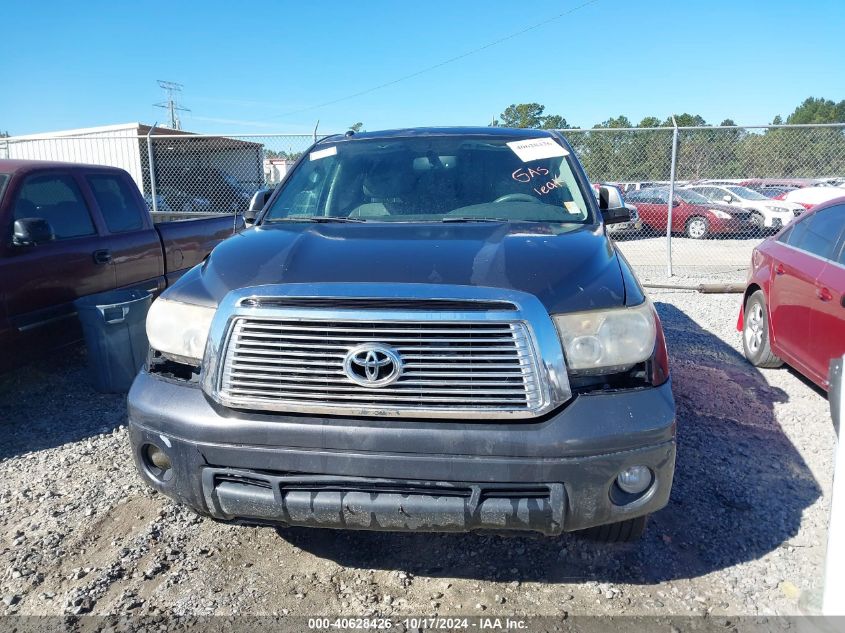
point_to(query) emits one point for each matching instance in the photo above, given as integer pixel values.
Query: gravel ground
(744, 532)
(728, 255)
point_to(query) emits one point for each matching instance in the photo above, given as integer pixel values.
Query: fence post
(669, 206)
(152, 168)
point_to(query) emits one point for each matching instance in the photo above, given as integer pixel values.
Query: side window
(660, 197)
(117, 203)
(820, 232)
(57, 199)
(784, 237)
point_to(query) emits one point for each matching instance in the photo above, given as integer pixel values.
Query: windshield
(693, 197)
(434, 178)
(746, 193)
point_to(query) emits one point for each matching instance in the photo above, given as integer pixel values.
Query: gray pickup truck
(425, 329)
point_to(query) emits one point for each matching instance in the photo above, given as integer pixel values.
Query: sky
(269, 66)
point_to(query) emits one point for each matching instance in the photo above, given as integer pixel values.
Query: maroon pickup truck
(72, 230)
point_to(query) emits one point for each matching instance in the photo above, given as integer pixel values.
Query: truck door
(133, 240)
(43, 280)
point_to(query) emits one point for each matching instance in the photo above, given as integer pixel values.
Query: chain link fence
(705, 196)
(729, 188)
(180, 175)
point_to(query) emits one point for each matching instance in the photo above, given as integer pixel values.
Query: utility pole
(172, 104)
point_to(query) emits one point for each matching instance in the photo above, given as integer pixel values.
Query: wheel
(697, 228)
(622, 532)
(755, 333)
(758, 223)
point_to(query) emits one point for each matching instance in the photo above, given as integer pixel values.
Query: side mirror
(610, 198)
(613, 209)
(256, 204)
(727, 198)
(676, 202)
(616, 215)
(32, 231)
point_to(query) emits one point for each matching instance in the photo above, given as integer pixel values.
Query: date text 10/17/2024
(419, 623)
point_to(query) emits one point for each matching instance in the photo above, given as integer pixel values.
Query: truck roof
(15, 165)
(505, 132)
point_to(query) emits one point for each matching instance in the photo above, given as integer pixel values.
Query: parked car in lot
(774, 192)
(794, 305)
(809, 197)
(692, 214)
(425, 330)
(74, 230)
(797, 183)
(178, 200)
(203, 188)
(765, 214)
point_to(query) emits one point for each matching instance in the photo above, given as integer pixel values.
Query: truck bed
(186, 242)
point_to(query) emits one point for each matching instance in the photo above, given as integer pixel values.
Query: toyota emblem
(372, 365)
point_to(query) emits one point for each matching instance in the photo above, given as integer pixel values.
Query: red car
(692, 214)
(794, 306)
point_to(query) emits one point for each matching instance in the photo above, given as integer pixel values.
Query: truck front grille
(447, 368)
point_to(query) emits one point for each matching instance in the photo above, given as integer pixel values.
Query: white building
(175, 153)
(275, 169)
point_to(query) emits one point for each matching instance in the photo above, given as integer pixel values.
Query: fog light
(157, 462)
(158, 457)
(634, 480)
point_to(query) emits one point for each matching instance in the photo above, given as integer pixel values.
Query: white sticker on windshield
(323, 153)
(537, 148)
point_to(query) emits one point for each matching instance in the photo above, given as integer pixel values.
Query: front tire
(626, 531)
(697, 228)
(755, 333)
(758, 222)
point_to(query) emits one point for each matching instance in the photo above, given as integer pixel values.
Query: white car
(808, 197)
(766, 213)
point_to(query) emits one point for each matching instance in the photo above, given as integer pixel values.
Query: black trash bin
(114, 325)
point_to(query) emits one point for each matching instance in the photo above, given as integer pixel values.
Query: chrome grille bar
(458, 374)
(464, 352)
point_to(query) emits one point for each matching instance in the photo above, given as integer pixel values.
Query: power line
(172, 104)
(443, 63)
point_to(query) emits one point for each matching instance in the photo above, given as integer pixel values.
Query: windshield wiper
(471, 219)
(320, 219)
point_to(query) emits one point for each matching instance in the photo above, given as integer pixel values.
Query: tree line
(615, 154)
(612, 152)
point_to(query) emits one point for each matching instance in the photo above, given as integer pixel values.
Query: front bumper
(549, 474)
(626, 227)
(779, 220)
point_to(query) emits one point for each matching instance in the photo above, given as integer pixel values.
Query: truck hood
(568, 270)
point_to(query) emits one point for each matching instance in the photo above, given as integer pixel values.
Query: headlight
(721, 214)
(607, 341)
(179, 330)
